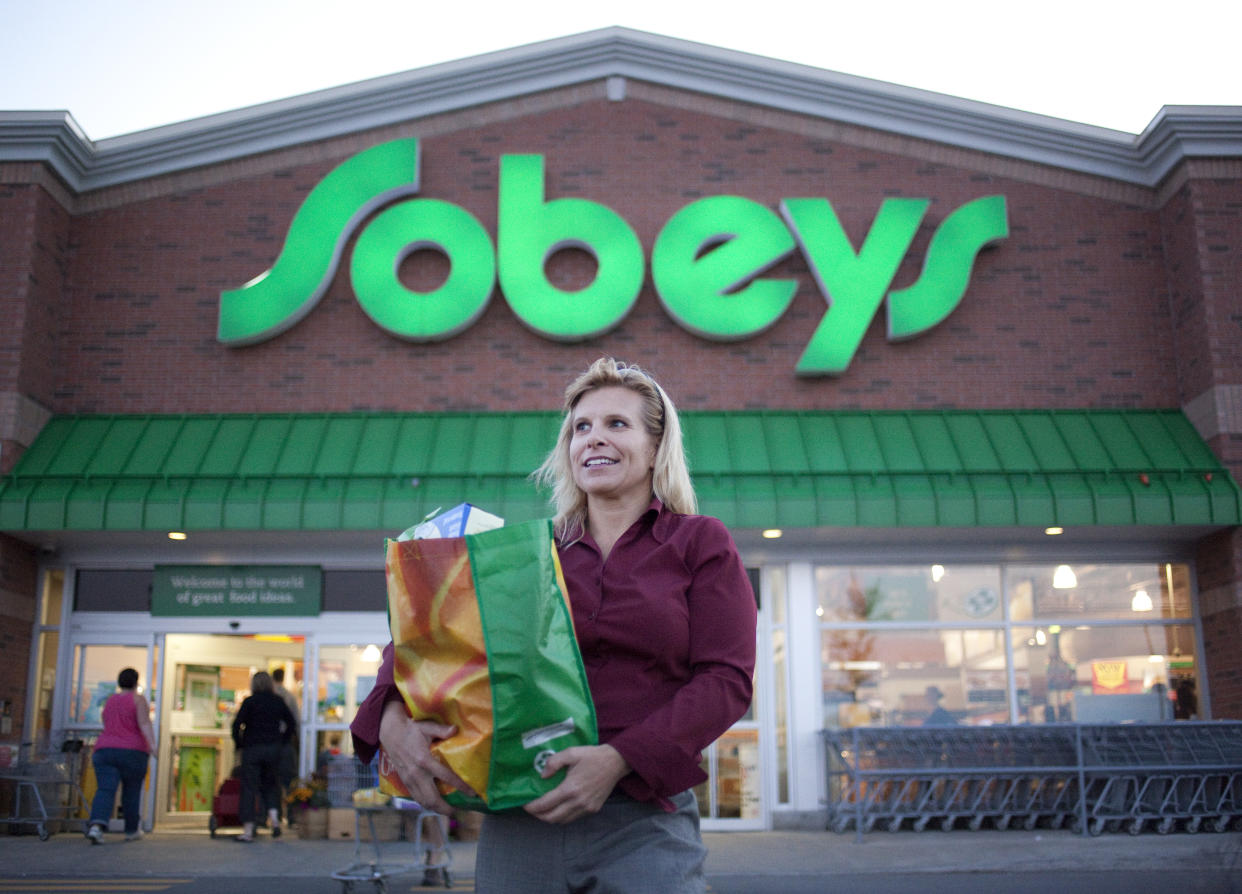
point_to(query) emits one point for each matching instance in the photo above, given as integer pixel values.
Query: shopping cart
(426, 832)
(46, 791)
(383, 860)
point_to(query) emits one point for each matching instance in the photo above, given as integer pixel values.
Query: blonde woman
(665, 620)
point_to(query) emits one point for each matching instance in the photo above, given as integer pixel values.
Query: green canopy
(756, 469)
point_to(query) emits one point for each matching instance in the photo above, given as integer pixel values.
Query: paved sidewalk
(743, 853)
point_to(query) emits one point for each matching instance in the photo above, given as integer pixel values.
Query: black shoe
(276, 831)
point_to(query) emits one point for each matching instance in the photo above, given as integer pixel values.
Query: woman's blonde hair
(670, 476)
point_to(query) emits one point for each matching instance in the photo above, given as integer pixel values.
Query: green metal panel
(787, 452)
(386, 471)
(898, 446)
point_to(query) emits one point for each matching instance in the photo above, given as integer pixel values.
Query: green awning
(753, 469)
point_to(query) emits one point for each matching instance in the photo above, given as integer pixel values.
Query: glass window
(53, 596)
(1099, 591)
(911, 677)
(112, 591)
(49, 647)
(907, 593)
(94, 679)
(780, 675)
(346, 676)
(355, 591)
(1087, 642)
(1105, 674)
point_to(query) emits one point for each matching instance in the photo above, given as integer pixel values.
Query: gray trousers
(626, 848)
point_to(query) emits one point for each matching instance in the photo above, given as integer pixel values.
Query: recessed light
(773, 533)
(176, 535)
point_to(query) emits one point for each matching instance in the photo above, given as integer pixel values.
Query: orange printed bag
(483, 640)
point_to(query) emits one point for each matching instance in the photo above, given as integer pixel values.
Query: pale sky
(120, 66)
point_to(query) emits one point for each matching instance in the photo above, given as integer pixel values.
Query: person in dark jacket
(261, 728)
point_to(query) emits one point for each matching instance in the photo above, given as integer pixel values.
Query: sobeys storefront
(940, 388)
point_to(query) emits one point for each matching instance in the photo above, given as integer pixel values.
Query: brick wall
(1098, 298)
(17, 612)
(1071, 310)
(33, 262)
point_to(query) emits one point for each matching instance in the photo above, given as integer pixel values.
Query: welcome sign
(707, 263)
(236, 590)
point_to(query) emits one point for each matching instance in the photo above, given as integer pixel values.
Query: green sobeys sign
(236, 590)
(707, 263)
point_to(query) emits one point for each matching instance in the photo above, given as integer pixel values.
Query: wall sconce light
(1141, 602)
(1064, 578)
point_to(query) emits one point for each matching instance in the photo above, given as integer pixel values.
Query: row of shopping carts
(1091, 778)
(42, 787)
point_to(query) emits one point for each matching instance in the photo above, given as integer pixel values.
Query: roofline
(1175, 134)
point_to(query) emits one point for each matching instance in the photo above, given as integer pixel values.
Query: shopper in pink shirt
(120, 758)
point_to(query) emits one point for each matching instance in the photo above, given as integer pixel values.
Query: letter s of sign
(854, 283)
(278, 298)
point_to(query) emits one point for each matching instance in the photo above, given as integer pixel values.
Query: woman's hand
(407, 742)
(593, 772)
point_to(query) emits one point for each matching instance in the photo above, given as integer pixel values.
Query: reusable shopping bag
(483, 640)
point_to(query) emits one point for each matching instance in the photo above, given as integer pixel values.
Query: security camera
(234, 624)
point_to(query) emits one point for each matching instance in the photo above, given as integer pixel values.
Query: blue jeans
(126, 767)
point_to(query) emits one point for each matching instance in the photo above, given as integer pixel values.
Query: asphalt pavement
(790, 853)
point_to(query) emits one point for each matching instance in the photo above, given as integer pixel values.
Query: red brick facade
(1104, 294)
(1078, 271)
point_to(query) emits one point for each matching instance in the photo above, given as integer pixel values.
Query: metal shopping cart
(425, 846)
(46, 791)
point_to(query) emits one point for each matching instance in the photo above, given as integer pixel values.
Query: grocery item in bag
(483, 640)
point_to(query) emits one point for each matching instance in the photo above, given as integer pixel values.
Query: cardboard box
(343, 827)
(341, 824)
(462, 519)
(388, 826)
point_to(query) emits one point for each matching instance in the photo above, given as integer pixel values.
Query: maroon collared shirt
(666, 627)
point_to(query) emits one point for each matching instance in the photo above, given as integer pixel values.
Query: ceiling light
(937, 573)
(371, 653)
(1054, 531)
(773, 534)
(176, 535)
(1141, 602)
(1064, 578)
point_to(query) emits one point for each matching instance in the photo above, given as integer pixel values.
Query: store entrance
(206, 678)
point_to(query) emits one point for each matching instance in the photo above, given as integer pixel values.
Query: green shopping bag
(483, 640)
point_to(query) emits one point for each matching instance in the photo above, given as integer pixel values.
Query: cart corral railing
(1095, 777)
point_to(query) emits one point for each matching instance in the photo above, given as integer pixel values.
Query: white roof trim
(1177, 132)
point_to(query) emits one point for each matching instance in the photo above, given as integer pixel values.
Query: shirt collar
(661, 526)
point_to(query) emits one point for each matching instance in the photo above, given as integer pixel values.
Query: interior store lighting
(371, 653)
(1141, 602)
(1064, 578)
(937, 573)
